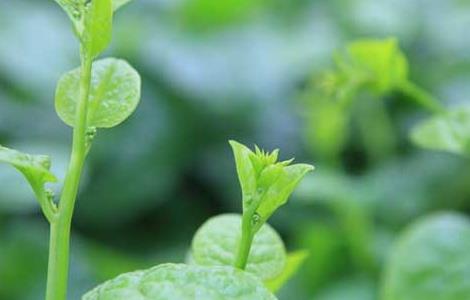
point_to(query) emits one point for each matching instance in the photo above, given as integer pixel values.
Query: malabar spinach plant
(364, 69)
(98, 94)
(232, 256)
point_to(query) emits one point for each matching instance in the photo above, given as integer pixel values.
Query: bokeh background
(232, 69)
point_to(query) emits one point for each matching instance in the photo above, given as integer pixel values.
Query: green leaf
(217, 241)
(36, 170)
(98, 26)
(75, 10)
(119, 3)
(34, 167)
(293, 263)
(182, 282)
(379, 63)
(265, 182)
(279, 191)
(448, 132)
(431, 261)
(245, 170)
(114, 93)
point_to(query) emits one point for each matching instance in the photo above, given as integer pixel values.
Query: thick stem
(245, 242)
(60, 228)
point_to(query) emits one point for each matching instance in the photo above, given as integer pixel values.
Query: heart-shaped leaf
(98, 26)
(217, 241)
(182, 282)
(447, 132)
(431, 261)
(114, 93)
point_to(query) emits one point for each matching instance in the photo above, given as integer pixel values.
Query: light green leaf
(36, 170)
(217, 241)
(114, 93)
(448, 132)
(119, 3)
(266, 183)
(75, 10)
(280, 190)
(245, 170)
(34, 167)
(98, 26)
(431, 261)
(182, 282)
(293, 263)
(378, 63)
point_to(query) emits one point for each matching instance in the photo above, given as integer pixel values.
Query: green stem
(60, 228)
(245, 242)
(421, 97)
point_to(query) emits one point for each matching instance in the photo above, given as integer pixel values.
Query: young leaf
(98, 26)
(74, 9)
(114, 93)
(448, 132)
(265, 182)
(217, 241)
(380, 63)
(182, 282)
(431, 260)
(34, 167)
(293, 263)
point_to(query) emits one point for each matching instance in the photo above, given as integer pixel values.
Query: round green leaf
(216, 244)
(182, 282)
(114, 93)
(431, 261)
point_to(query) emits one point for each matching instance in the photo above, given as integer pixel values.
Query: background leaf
(431, 260)
(119, 3)
(216, 243)
(182, 282)
(293, 263)
(449, 132)
(114, 94)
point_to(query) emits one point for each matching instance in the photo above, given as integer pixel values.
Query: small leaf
(98, 26)
(293, 263)
(245, 169)
(431, 261)
(74, 9)
(380, 63)
(280, 190)
(182, 282)
(217, 241)
(114, 93)
(119, 3)
(34, 167)
(447, 132)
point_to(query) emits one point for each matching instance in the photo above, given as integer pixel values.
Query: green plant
(366, 69)
(232, 256)
(99, 94)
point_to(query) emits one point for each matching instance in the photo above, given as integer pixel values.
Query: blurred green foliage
(247, 70)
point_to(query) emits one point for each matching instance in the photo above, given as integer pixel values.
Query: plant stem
(245, 242)
(421, 97)
(60, 228)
